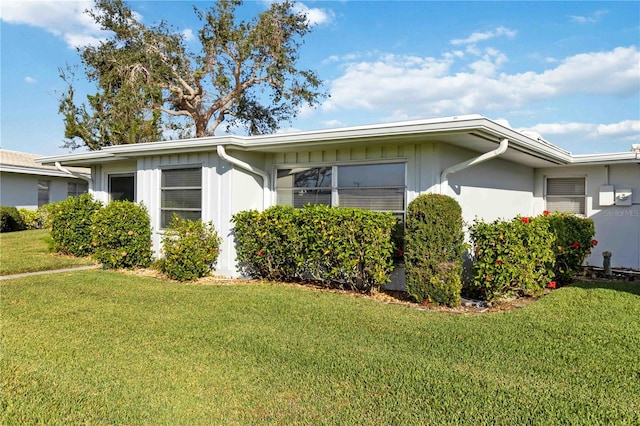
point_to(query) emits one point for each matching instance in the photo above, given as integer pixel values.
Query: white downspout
(266, 198)
(504, 144)
(79, 176)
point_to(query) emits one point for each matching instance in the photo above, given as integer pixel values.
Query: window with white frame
(43, 192)
(75, 189)
(122, 187)
(181, 194)
(566, 195)
(378, 187)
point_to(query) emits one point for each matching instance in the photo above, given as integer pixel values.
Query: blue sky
(569, 71)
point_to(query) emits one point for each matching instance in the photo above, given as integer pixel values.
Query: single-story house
(492, 170)
(25, 183)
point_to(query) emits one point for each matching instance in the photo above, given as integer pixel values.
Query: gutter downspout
(266, 193)
(504, 144)
(79, 176)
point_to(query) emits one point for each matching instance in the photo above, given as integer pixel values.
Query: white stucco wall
(21, 190)
(617, 227)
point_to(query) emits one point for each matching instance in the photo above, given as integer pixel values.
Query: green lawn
(27, 251)
(100, 347)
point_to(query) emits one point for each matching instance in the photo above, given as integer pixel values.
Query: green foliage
(434, 245)
(33, 219)
(190, 249)
(243, 71)
(349, 248)
(512, 257)
(11, 220)
(121, 235)
(574, 240)
(70, 224)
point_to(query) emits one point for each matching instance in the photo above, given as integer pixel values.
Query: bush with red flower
(574, 240)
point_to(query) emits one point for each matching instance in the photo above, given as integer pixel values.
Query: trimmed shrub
(190, 249)
(121, 235)
(33, 219)
(512, 257)
(70, 224)
(348, 248)
(574, 240)
(434, 245)
(10, 220)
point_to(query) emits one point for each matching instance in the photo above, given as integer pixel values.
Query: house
(493, 171)
(24, 183)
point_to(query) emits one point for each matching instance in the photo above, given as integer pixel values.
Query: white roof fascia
(465, 123)
(606, 158)
(38, 172)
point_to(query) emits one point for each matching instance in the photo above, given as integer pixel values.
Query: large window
(122, 187)
(43, 192)
(566, 195)
(379, 187)
(75, 189)
(181, 194)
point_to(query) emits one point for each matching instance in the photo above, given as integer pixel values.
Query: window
(379, 187)
(301, 186)
(181, 194)
(566, 195)
(74, 189)
(122, 187)
(43, 192)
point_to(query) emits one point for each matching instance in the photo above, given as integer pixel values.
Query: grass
(27, 251)
(100, 347)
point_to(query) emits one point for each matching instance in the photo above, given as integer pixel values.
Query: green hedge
(190, 249)
(121, 235)
(434, 245)
(574, 240)
(70, 224)
(10, 220)
(33, 219)
(348, 248)
(512, 257)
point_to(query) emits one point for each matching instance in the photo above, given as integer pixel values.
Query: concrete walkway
(53, 271)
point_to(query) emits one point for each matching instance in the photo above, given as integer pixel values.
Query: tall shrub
(33, 219)
(434, 245)
(574, 240)
(70, 224)
(11, 220)
(512, 257)
(191, 249)
(121, 235)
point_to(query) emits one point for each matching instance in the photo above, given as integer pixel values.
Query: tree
(245, 75)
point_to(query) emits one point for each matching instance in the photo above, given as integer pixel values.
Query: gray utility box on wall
(624, 196)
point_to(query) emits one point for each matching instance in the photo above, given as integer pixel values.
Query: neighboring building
(493, 171)
(27, 184)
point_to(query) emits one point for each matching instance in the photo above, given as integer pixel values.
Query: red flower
(498, 262)
(576, 245)
(488, 278)
(400, 252)
(594, 243)
(546, 212)
(525, 220)
(552, 284)
(260, 252)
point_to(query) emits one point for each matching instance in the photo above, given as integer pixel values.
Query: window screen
(181, 194)
(122, 187)
(43, 192)
(566, 195)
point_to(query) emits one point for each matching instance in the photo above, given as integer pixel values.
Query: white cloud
(315, 16)
(591, 19)
(188, 34)
(64, 19)
(627, 130)
(30, 80)
(483, 36)
(426, 86)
